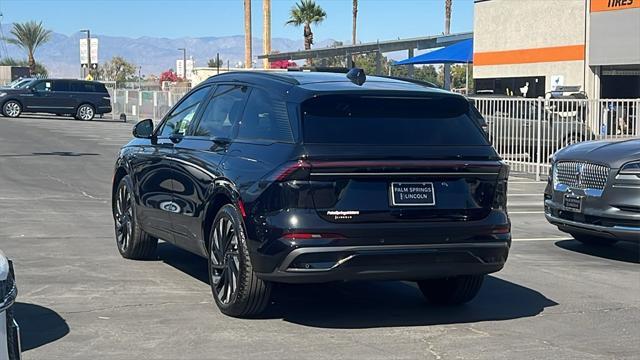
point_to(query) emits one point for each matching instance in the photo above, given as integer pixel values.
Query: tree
(169, 76)
(459, 76)
(305, 13)
(39, 69)
(214, 63)
(118, 69)
(29, 36)
(282, 64)
(447, 30)
(247, 34)
(354, 23)
(447, 16)
(266, 30)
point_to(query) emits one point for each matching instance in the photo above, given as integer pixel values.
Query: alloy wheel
(225, 261)
(12, 109)
(123, 217)
(85, 112)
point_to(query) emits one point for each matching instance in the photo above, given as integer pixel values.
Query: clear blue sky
(377, 19)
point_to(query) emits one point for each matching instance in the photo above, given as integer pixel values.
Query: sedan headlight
(2, 94)
(631, 168)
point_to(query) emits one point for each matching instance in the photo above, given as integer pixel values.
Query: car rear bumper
(103, 109)
(389, 262)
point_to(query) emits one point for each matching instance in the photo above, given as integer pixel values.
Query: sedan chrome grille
(581, 175)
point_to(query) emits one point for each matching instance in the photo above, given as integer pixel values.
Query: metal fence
(525, 132)
(141, 104)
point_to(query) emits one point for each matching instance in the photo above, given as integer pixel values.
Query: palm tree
(29, 36)
(266, 30)
(447, 16)
(247, 34)
(307, 12)
(354, 23)
(447, 30)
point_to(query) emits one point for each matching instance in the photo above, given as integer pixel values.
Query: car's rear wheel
(594, 240)
(236, 289)
(133, 242)
(85, 112)
(451, 291)
(12, 109)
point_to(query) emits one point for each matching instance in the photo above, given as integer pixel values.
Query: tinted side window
(265, 118)
(222, 112)
(81, 86)
(179, 119)
(43, 86)
(60, 85)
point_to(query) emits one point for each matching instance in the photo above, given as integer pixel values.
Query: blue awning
(461, 52)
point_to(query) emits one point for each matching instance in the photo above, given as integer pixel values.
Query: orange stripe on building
(527, 56)
(608, 5)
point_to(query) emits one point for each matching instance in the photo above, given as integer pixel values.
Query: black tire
(133, 242)
(228, 261)
(85, 112)
(12, 109)
(594, 240)
(451, 291)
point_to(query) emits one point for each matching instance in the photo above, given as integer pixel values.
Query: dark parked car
(82, 99)
(514, 126)
(593, 192)
(304, 177)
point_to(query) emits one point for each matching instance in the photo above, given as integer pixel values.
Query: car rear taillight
(298, 170)
(500, 195)
(505, 229)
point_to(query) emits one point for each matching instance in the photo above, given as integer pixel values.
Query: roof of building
(425, 42)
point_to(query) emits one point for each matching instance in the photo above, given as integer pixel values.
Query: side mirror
(143, 129)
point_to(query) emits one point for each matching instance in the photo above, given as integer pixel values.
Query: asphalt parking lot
(78, 299)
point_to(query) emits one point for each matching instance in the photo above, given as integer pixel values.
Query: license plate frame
(411, 188)
(572, 202)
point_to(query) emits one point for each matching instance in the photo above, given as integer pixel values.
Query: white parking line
(543, 239)
(524, 194)
(525, 212)
(526, 182)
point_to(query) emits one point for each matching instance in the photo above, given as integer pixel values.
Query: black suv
(304, 177)
(82, 99)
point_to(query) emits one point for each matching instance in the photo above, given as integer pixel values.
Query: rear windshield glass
(339, 119)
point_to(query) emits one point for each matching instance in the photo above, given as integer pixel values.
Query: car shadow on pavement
(70, 118)
(621, 251)
(38, 325)
(368, 304)
(53, 153)
(394, 303)
(191, 264)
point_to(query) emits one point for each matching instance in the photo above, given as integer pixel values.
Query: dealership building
(532, 48)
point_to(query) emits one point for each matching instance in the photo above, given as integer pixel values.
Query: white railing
(525, 132)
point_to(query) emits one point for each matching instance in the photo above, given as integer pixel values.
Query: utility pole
(266, 32)
(184, 63)
(88, 71)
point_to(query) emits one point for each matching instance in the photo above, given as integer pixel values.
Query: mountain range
(61, 55)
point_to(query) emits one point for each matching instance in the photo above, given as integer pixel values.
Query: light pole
(184, 63)
(88, 51)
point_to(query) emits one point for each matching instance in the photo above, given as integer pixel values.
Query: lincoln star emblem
(579, 174)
